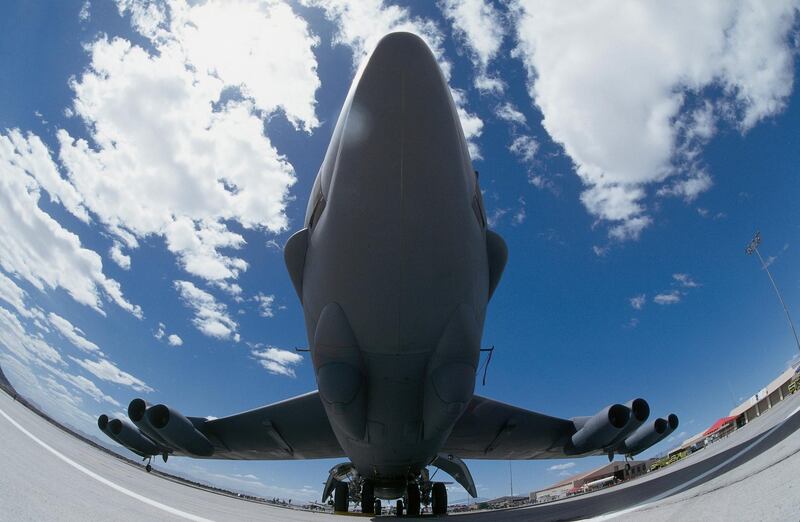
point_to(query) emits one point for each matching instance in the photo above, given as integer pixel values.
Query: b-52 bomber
(394, 268)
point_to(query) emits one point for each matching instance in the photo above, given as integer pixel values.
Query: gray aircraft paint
(394, 269)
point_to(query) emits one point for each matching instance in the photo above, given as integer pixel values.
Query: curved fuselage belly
(395, 281)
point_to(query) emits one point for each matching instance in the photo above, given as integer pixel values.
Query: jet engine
(640, 410)
(648, 435)
(102, 423)
(598, 430)
(136, 412)
(129, 436)
(178, 430)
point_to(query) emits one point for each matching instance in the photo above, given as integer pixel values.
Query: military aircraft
(394, 268)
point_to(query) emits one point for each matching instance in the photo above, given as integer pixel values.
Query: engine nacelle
(137, 410)
(599, 430)
(178, 430)
(102, 423)
(648, 435)
(640, 410)
(129, 436)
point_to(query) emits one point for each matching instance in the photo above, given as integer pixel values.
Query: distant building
(776, 391)
(611, 473)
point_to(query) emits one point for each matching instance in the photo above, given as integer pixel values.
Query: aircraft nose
(402, 139)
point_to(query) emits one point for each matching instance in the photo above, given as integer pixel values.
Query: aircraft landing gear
(368, 497)
(413, 496)
(378, 507)
(148, 468)
(439, 499)
(341, 496)
(399, 510)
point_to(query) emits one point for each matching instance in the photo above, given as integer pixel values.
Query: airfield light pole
(753, 247)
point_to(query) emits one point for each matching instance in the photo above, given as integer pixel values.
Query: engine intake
(129, 436)
(599, 430)
(102, 423)
(178, 430)
(137, 410)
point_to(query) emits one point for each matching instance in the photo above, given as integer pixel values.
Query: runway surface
(49, 475)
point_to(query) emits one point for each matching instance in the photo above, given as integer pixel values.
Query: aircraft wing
(489, 429)
(296, 428)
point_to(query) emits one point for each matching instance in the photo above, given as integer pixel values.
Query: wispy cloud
(669, 298)
(561, 467)
(637, 302)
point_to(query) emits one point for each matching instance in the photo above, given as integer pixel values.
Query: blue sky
(155, 156)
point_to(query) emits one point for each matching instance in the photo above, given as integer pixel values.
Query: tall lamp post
(753, 247)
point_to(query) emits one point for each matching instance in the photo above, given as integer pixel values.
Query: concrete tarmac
(50, 475)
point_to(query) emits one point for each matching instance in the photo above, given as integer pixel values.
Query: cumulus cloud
(479, 27)
(633, 91)
(668, 298)
(637, 302)
(84, 385)
(108, 371)
(177, 145)
(524, 147)
(12, 294)
(72, 333)
(33, 245)
(210, 316)
(116, 254)
(277, 361)
(360, 25)
(174, 340)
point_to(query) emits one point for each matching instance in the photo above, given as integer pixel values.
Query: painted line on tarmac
(686, 485)
(92, 474)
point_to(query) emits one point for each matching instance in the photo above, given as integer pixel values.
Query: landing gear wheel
(148, 468)
(439, 499)
(412, 492)
(368, 497)
(399, 510)
(378, 507)
(340, 497)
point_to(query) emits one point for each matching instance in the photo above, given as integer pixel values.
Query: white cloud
(667, 298)
(524, 147)
(33, 245)
(508, 112)
(561, 467)
(637, 302)
(360, 25)
(479, 27)
(631, 90)
(13, 295)
(84, 385)
(160, 331)
(685, 280)
(210, 316)
(277, 361)
(170, 153)
(15, 339)
(265, 303)
(115, 252)
(72, 333)
(174, 340)
(108, 371)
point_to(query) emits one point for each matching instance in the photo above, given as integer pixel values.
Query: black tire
(368, 497)
(399, 510)
(148, 468)
(439, 499)
(341, 496)
(378, 508)
(412, 494)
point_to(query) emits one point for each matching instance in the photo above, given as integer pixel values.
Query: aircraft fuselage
(395, 278)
